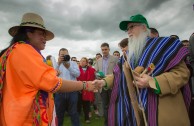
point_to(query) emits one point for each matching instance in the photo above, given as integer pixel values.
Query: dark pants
(105, 94)
(94, 106)
(79, 103)
(67, 101)
(86, 108)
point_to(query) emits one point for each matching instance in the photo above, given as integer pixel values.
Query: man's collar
(106, 57)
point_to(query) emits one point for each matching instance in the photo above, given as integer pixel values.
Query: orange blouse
(26, 74)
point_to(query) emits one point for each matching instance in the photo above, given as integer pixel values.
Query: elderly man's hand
(142, 81)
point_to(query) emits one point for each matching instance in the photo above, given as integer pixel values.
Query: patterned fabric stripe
(36, 110)
(182, 53)
(167, 56)
(143, 96)
(57, 87)
(119, 115)
(121, 108)
(152, 111)
(127, 103)
(158, 50)
(24, 23)
(187, 96)
(111, 110)
(123, 111)
(3, 67)
(151, 43)
(165, 43)
(125, 114)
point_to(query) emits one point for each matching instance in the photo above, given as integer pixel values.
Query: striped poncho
(164, 53)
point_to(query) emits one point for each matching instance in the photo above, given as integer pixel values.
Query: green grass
(93, 119)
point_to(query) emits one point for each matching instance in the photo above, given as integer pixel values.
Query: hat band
(24, 23)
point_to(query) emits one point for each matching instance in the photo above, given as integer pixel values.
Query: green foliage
(94, 120)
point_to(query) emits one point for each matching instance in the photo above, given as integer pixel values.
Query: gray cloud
(82, 22)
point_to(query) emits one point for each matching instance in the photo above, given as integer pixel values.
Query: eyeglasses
(132, 26)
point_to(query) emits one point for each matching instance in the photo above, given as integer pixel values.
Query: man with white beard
(137, 43)
(163, 94)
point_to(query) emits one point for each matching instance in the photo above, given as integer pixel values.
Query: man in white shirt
(67, 101)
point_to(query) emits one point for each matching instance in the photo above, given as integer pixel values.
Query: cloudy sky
(82, 25)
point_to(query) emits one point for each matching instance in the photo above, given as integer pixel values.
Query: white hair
(137, 44)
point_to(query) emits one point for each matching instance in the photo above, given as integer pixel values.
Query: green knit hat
(133, 19)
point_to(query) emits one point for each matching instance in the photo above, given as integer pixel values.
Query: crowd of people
(151, 83)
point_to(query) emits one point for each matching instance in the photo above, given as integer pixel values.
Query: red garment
(88, 75)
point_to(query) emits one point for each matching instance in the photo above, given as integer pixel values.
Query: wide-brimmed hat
(133, 19)
(31, 20)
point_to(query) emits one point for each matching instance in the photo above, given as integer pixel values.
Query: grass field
(94, 121)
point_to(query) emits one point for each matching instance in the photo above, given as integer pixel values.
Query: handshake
(94, 85)
(97, 84)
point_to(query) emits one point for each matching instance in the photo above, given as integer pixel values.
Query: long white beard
(136, 46)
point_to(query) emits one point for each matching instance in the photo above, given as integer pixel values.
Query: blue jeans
(67, 101)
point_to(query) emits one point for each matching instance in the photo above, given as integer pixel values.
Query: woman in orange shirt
(26, 81)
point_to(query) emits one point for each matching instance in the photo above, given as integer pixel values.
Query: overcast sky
(82, 26)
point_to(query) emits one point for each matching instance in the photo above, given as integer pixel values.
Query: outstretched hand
(90, 86)
(99, 84)
(95, 85)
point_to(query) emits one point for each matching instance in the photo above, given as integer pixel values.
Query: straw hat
(32, 20)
